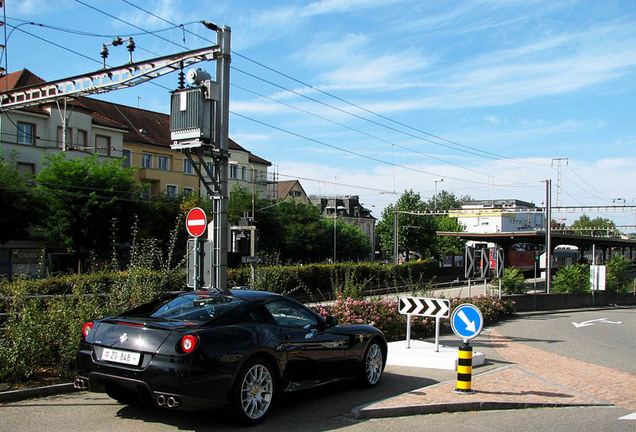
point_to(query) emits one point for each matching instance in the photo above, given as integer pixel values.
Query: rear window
(196, 307)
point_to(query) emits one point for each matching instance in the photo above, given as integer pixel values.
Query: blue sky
(364, 97)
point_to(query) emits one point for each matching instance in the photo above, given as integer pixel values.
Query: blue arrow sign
(467, 321)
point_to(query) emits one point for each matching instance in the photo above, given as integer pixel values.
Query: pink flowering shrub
(384, 314)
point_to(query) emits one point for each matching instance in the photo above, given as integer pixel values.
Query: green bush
(43, 332)
(572, 279)
(619, 274)
(513, 281)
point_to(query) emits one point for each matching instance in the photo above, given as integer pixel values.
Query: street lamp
(396, 249)
(253, 190)
(437, 180)
(336, 208)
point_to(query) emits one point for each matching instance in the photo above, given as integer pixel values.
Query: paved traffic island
(531, 378)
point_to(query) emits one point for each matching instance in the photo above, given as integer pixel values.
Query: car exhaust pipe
(79, 384)
(161, 400)
(173, 402)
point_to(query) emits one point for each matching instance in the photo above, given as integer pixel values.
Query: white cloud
(35, 8)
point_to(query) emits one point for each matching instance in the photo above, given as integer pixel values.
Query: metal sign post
(196, 223)
(469, 265)
(484, 267)
(469, 261)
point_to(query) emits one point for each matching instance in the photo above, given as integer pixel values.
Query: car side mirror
(331, 321)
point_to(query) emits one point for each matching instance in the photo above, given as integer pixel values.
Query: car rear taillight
(86, 329)
(189, 343)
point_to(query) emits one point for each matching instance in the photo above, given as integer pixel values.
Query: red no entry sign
(196, 222)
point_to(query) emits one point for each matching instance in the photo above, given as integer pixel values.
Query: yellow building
(140, 137)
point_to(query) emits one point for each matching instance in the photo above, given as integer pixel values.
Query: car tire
(372, 365)
(253, 392)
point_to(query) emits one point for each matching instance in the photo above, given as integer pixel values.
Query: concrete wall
(542, 301)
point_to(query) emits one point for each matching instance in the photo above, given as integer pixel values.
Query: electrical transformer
(192, 115)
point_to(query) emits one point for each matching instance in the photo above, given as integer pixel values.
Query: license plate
(124, 357)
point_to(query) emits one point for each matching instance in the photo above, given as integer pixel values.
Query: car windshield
(196, 307)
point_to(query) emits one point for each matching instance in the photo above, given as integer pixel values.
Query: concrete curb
(16, 395)
(364, 413)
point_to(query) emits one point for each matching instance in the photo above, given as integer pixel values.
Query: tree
(415, 232)
(89, 202)
(448, 245)
(351, 243)
(600, 227)
(296, 232)
(300, 234)
(161, 214)
(19, 201)
(418, 232)
(240, 204)
(445, 201)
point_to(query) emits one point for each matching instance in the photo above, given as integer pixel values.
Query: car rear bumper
(142, 391)
(163, 378)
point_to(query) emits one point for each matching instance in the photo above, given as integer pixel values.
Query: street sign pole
(196, 224)
(196, 264)
(437, 333)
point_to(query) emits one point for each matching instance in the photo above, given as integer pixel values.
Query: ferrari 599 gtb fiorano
(202, 349)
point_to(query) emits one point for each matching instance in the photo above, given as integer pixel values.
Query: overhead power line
(457, 146)
(464, 148)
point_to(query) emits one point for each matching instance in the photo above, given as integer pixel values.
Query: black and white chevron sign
(430, 307)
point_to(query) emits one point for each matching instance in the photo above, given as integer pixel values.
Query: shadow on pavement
(319, 409)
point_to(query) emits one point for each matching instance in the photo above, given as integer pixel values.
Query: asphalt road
(320, 409)
(602, 341)
(604, 337)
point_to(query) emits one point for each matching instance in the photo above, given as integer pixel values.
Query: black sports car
(200, 349)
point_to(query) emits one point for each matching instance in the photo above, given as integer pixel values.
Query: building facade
(492, 216)
(29, 134)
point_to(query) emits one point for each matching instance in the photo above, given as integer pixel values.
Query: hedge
(317, 281)
(45, 316)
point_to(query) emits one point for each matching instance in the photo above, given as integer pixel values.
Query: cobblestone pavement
(530, 378)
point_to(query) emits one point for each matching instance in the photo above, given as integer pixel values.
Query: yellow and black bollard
(465, 369)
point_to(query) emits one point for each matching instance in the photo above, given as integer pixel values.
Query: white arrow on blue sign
(467, 321)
